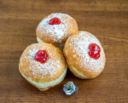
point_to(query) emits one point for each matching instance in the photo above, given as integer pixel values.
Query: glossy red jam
(94, 51)
(54, 21)
(41, 56)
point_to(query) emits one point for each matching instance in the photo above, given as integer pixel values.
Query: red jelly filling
(41, 56)
(94, 51)
(54, 21)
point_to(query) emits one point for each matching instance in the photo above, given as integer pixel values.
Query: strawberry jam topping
(94, 51)
(54, 21)
(41, 56)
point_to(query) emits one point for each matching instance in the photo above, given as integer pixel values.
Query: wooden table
(107, 19)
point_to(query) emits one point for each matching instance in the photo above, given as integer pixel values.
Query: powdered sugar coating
(57, 32)
(42, 68)
(49, 68)
(80, 45)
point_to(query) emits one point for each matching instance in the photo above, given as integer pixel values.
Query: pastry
(56, 28)
(42, 65)
(85, 55)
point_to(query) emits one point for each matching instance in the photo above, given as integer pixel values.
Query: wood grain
(107, 19)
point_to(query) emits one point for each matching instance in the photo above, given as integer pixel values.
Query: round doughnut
(85, 55)
(56, 28)
(42, 65)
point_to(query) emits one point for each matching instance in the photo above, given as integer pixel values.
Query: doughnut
(42, 65)
(85, 55)
(56, 28)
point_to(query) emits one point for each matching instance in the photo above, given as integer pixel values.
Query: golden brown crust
(43, 37)
(25, 65)
(74, 62)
